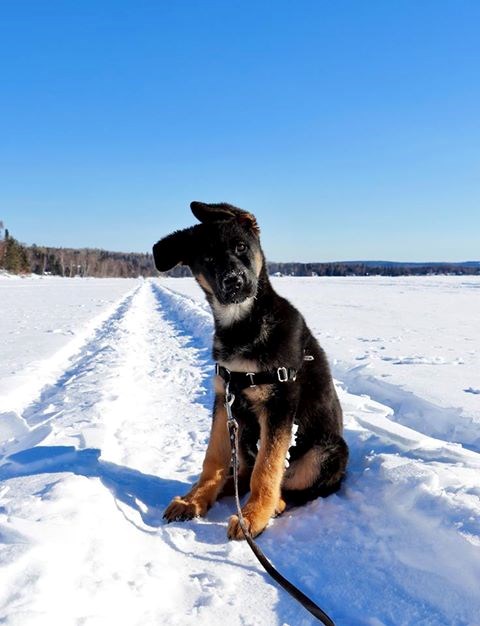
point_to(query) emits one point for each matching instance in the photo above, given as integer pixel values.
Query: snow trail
(74, 554)
(124, 428)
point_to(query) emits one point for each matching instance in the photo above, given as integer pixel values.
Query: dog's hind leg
(318, 473)
(214, 473)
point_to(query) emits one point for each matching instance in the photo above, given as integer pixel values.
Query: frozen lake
(105, 399)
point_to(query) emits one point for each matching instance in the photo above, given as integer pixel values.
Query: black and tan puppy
(257, 334)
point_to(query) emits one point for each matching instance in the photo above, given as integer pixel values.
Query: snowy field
(104, 416)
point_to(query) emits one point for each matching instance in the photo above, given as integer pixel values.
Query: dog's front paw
(181, 509)
(254, 525)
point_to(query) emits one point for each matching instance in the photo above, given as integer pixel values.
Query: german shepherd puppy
(257, 333)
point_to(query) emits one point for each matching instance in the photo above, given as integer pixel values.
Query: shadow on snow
(144, 493)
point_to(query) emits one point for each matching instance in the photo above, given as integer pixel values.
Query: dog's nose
(233, 282)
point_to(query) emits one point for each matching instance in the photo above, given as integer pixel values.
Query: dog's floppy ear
(222, 212)
(172, 250)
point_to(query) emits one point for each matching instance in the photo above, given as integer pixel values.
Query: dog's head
(223, 252)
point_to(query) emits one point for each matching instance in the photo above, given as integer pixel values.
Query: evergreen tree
(15, 257)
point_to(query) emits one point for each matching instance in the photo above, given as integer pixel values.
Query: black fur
(253, 324)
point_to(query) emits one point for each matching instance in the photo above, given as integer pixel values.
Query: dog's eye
(240, 247)
(208, 259)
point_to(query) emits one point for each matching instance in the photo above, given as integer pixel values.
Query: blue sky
(351, 129)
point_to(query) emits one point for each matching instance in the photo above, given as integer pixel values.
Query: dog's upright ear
(222, 212)
(172, 250)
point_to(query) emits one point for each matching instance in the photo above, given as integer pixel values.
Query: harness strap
(242, 380)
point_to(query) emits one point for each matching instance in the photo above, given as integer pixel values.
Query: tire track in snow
(130, 422)
(84, 360)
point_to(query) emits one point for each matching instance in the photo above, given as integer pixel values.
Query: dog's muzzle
(233, 284)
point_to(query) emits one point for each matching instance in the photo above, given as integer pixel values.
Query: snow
(410, 342)
(102, 425)
(39, 318)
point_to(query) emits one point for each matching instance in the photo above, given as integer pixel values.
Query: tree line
(372, 268)
(18, 258)
(44, 260)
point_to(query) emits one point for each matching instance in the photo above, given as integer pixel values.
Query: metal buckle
(251, 376)
(229, 400)
(227, 377)
(282, 374)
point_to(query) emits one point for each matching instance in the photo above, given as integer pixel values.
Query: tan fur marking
(219, 386)
(281, 506)
(303, 472)
(257, 262)
(265, 483)
(246, 217)
(240, 365)
(204, 284)
(215, 466)
(258, 396)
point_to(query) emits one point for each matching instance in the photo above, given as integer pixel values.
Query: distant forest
(18, 258)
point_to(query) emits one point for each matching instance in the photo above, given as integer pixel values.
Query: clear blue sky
(350, 128)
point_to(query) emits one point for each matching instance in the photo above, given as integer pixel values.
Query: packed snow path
(95, 458)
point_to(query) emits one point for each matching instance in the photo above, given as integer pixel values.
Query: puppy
(276, 369)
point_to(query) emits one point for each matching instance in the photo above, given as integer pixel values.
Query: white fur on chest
(228, 314)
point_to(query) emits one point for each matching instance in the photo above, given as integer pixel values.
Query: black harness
(242, 380)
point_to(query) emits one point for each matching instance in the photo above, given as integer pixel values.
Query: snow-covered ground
(41, 316)
(411, 342)
(100, 430)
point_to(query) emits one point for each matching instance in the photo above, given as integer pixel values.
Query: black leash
(289, 587)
